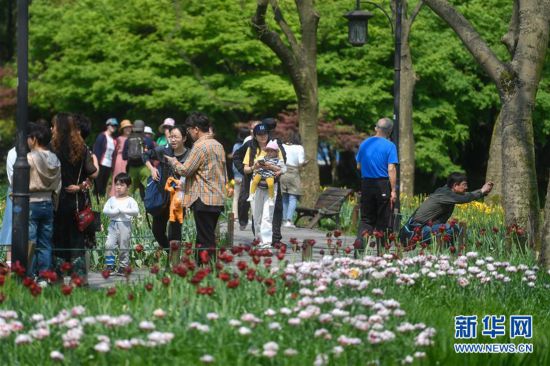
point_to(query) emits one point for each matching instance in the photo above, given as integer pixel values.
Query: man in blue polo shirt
(377, 159)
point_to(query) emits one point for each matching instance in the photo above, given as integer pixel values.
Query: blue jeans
(289, 206)
(40, 233)
(427, 231)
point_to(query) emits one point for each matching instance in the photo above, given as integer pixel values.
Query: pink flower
(57, 356)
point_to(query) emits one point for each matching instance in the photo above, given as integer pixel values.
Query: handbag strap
(78, 179)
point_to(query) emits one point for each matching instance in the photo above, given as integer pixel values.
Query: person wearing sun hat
(104, 150)
(148, 131)
(125, 130)
(164, 129)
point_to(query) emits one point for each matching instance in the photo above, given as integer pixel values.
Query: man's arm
(392, 174)
(192, 163)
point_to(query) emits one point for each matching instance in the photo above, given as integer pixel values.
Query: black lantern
(358, 21)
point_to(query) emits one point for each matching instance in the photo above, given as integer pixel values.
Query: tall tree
(517, 83)
(408, 81)
(299, 57)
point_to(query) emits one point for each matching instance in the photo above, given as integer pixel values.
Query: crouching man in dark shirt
(433, 213)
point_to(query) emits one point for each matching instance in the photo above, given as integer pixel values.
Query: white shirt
(295, 155)
(10, 162)
(121, 209)
(109, 149)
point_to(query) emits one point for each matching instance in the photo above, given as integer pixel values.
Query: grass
(434, 302)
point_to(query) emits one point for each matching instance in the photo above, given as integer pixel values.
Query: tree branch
(309, 20)
(268, 37)
(416, 11)
(471, 39)
(510, 39)
(278, 16)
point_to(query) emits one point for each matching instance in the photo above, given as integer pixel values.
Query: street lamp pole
(20, 228)
(358, 36)
(396, 100)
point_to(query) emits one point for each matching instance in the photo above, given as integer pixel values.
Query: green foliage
(152, 58)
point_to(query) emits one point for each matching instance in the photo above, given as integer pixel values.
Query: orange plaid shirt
(205, 172)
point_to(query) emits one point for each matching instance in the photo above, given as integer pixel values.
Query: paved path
(245, 237)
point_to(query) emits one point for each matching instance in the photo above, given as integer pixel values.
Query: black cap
(260, 129)
(270, 123)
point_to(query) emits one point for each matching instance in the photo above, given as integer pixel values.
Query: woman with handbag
(74, 214)
(175, 148)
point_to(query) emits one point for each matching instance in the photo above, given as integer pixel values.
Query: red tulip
(347, 250)
(77, 281)
(452, 249)
(155, 269)
(27, 282)
(105, 273)
(2, 297)
(66, 267)
(233, 283)
(165, 281)
(204, 257)
(241, 265)
(224, 276)
(337, 233)
(66, 290)
(139, 248)
(271, 291)
(131, 296)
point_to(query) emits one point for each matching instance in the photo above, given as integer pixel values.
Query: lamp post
(358, 36)
(20, 228)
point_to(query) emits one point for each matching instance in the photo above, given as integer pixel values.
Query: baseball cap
(260, 129)
(111, 122)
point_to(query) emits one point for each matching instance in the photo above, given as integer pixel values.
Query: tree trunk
(545, 234)
(517, 82)
(307, 119)
(299, 58)
(406, 136)
(494, 165)
(519, 183)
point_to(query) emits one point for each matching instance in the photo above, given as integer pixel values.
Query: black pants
(277, 216)
(206, 219)
(102, 180)
(243, 206)
(159, 229)
(375, 205)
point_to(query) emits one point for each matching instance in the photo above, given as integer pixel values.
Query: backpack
(155, 198)
(135, 150)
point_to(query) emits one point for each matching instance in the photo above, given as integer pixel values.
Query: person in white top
(120, 209)
(5, 232)
(290, 181)
(104, 150)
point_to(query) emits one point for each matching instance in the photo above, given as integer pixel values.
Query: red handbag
(85, 216)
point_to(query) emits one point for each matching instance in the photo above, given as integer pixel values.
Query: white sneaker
(264, 246)
(289, 224)
(250, 198)
(42, 283)
(271, 202)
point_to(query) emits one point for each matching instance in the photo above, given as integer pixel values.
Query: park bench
(328, 204)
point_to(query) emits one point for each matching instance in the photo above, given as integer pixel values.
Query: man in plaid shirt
(206, 178)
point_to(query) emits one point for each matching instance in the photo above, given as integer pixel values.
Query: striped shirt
(205, 172)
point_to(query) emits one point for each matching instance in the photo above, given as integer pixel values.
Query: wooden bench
(328, 204)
